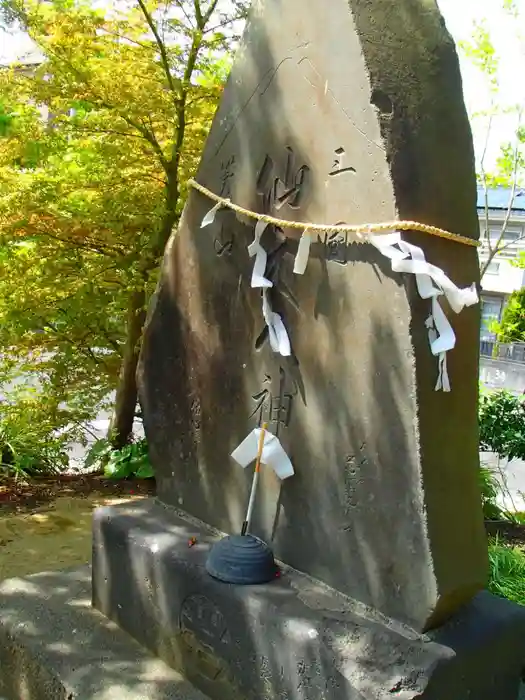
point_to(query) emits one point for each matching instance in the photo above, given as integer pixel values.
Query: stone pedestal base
(54, 646)
(293, 638)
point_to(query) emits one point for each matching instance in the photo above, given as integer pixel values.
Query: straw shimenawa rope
(385, 227)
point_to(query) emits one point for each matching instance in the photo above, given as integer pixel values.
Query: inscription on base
(203, 632)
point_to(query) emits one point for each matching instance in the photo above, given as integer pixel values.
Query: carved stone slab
(349, 115)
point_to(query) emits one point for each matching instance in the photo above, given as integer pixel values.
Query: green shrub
(507, 571)
(29, 443)
(131, 461)
(511, 329)
(490, 488)
(502, 424)
(502, 432)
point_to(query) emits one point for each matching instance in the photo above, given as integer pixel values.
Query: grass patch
(507, 571)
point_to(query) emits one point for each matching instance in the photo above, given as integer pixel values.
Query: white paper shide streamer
(273, 453)
(303, 253)
(278, 336)
(261, 258)
(432, 283)
(279, 340)
(210, 216)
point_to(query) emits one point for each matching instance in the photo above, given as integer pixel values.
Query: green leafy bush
(490, 488)
(502, 424)
(502, 432)
(131, 461)
(507, 571)
(30, 445)
(511, 329)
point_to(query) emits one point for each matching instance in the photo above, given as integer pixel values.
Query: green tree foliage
(511, 328)
(502, 424)
(89, 197)
(502, 432)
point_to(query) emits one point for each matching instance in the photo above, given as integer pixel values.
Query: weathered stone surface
(350, 115)
(294, 639)
(54, 646)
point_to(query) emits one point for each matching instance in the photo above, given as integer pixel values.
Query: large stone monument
(342, 112)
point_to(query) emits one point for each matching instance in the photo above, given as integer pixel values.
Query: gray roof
(499, 198)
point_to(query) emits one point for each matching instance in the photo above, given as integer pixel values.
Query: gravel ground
(49, 520)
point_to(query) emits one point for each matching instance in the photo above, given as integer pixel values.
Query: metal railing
(513, 352)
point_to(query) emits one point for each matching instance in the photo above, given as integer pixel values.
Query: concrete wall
(502, 374)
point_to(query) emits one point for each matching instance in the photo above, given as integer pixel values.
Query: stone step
(55, 646)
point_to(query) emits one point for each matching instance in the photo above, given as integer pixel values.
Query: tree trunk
(121, 427)
(170, 218)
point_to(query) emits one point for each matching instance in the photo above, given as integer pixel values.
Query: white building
(502, 277)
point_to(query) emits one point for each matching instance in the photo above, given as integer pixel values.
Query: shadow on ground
(54, 646)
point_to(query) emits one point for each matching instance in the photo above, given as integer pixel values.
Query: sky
(461, 17)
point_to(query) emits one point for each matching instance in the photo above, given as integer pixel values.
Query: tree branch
(161, 45)
(496, 248)
(512, 242)
(76, 244)
(148, 47)
(83, 129)
(100, 330)
(198, 13)
(84, 350)
(230, 20)
(211, 9)
(513, 188)
(484, 179)
(180, 5)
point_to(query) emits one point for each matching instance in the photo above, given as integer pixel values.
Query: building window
(508, 236)
(510, 244)
(492, 268)
(490, 312)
